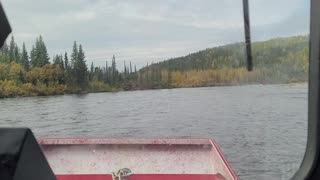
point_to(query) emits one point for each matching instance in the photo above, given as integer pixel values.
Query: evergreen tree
(66, 61)
(4, 49)
(39, 54)
(61, 62)
(107, 75)
(12, 47)
(130, 68)
(114, 73)
(67, 70)
(25, 57)
(92, 68)
(80, 69)
(17, 54)
(91, 73)
(125, 70)
(74, 54)
(57, 60)
(33, 57)
(43, 53)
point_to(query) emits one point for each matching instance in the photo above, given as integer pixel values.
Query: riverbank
(9, 88)
(28, 90)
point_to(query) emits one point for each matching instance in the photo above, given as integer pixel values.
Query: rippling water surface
(261, 129)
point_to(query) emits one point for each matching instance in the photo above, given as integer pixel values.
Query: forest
(34, 73)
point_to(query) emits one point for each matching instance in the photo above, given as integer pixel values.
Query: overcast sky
(144, 31)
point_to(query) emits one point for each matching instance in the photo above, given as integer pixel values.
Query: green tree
(12, 47)
(114, 72)
(4, 49)
(80, 69)
(4, 53)
(25, 57)
(91, 73)
(130, 68)
(33, 57)
(74, 54)
(17, 54)
(39, 55)
(56, 60)
(107, 74)
(66, 61)
(68, 76)
(61, 62)
(125, 71)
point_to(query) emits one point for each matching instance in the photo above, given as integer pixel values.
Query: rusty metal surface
(142, 156)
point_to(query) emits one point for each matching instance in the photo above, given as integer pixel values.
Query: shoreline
(121, 90)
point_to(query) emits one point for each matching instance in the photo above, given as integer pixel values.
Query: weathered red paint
(226, 163)
(145, 177)
(148, 158)
(68, 141)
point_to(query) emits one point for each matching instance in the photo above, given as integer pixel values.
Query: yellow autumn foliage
(9, 88)
(98, 86)
(213, 77)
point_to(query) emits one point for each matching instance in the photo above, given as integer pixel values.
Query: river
(261, 129)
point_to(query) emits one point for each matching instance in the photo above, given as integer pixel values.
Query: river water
(261, 129)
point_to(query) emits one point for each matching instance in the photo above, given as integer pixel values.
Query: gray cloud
(149, 30)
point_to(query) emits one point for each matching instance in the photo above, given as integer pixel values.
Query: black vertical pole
(247, 33)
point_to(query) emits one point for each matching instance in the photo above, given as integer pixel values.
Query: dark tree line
(68, 74)
(32, 73)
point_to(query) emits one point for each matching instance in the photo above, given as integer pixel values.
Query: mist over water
(261, 129)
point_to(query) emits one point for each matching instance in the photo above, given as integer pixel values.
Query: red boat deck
(167, 159)
(146, 177)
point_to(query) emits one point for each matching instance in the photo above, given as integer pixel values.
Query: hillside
(279, 60)
(23, 73)
(233, 55)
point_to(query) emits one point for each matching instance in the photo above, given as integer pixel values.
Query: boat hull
(95, 159)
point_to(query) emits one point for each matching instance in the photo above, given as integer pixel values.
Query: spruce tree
(106, 76)
(17, 54)
(43, 53)
(25, 57)
(33, 57)
(12, 47)
(91, 73)
(4, 49)
(114, 74)
(56, 60)
(39, 55)
(66, 61)
(74, 54)
(125, 70)
(61, 62)
(80, 69)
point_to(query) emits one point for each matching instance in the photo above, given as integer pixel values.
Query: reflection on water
(261, 128)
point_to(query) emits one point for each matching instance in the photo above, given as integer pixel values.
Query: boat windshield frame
(310, 166)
